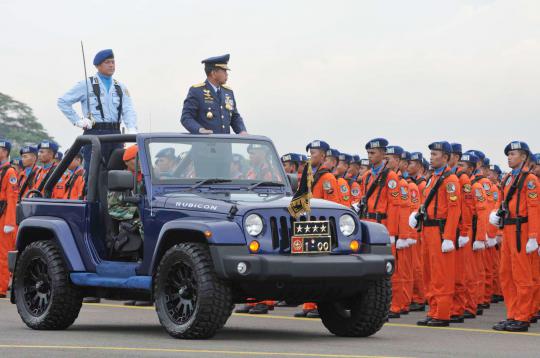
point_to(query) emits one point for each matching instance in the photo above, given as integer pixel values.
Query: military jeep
(214, 231)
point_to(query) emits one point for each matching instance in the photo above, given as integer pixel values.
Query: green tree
(19, 125)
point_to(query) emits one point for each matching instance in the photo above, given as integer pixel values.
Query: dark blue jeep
(211, 229)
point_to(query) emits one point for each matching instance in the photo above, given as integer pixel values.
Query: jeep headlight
(347, 224)
(254, 224)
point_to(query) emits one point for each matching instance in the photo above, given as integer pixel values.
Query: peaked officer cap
(166, 153)
(377, 143)
(469, 157)
(102, 56)
(443, 146)
(217, 61)
(418, 156)
(318, 144)
(48, 144)
(28, 149)
(4, 143)
(456, 148)
(516, 145)
(394, 149)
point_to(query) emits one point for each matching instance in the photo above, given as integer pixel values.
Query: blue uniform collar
(376, 170)
(440, 170)
(516, 171)
(405, 175)
(47, 166)
(28, 170)
(213, 88)
(2, 162)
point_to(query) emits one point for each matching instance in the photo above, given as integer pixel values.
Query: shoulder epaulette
(199, 85)
(226, 87)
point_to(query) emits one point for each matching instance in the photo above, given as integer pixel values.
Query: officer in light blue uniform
(110, 104)
(210, 106)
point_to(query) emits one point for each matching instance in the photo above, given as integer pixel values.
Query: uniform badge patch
(453, 198)
(403, 190)
(344, 189)
(394, 194)
(495, 196)
(355, 192)
(533, 195)
(451, 188)
(479, 195)
(531, 185)
(392, 184)
(326, 185)
(486, 186)
(467, 188)
(13, 180)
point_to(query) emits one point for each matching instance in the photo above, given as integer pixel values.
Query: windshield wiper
(265, 183)
(209, 181)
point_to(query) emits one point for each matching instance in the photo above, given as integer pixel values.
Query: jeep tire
(45, 297)
(191, 301)
(360, 316)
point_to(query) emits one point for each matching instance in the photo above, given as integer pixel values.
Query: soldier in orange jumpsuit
(415, 178)
(352, 179)
(291, 162)
(535, 169)
(46, 152)
(439, 229)
(344, 184)
(494, 175)
(332, 162)
(71, 185)
(402, 281)
(28, 174)
(325, 187)
(8, 201)
(520, 221)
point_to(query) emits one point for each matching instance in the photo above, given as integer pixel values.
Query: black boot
(313, 314)
(438, 323)
(457, 319)
(469, 315)
(417, 307)
(501, 326)
(302, 313)
(393, 314)
(424, 322)
(259, 308)
(479, 312)
(243, 309)
(517, 326)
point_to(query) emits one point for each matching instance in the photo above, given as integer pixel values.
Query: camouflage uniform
(123, 211)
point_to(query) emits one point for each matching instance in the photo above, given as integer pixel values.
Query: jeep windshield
(201, 161)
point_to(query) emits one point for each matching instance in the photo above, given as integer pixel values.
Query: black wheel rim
(180, 293)
(37, 287)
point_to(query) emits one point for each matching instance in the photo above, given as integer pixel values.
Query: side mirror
(293, 180)
(120, 180)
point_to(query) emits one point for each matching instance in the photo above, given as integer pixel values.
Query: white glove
(131, 130)
(494, 219)
(412, 220)
(393, 240)
(356, 207)
(463, 240)
(499, 239)
(84, 123)
(205, 131)
(411, 242)
(8, 229)
(478, 245)
(447, 246)
(491, 241)
(401, 244)
(532, 245)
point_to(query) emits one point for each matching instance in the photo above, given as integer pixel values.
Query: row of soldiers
(463, 235)
(25, 176)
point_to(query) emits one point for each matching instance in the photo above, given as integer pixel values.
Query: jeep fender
(376, 234)
(223, 232)
(59, 232)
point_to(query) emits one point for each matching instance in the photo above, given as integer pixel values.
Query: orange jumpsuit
(42, 174)
(27, 176)
(535, 309)
(515, 268)
(487, 254)
(9, 191)
(444, 206)
(75, 185)
(418, 294)
(465, 277)
(344, 191)
(355, 191)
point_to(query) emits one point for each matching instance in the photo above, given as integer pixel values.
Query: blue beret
(303, 158)
(394, 149)
(469, 157)
(365, 162)
(4, 143)
(59, 155)
(355, 159)
(102, 56)
(291, 157)
(443, 146)
(406, 155)
(344, 157)
(495, 168)
(418, 156)
(217, 61)
(478, 153)
(16, 161)
(377, 143)
(166, 152)
(485, 161)
(47, 144)
(516, 145)
(318, 144)
(28, 149)
(536, 158)
(332, 153)
(456, 148)
(425, 164)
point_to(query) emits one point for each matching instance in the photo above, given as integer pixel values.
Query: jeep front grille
(281, 230)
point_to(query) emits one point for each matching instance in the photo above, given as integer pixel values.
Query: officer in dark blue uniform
(210, 106)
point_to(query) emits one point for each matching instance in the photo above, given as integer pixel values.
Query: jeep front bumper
(236, 263)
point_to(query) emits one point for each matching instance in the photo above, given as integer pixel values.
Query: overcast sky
(343, 71)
